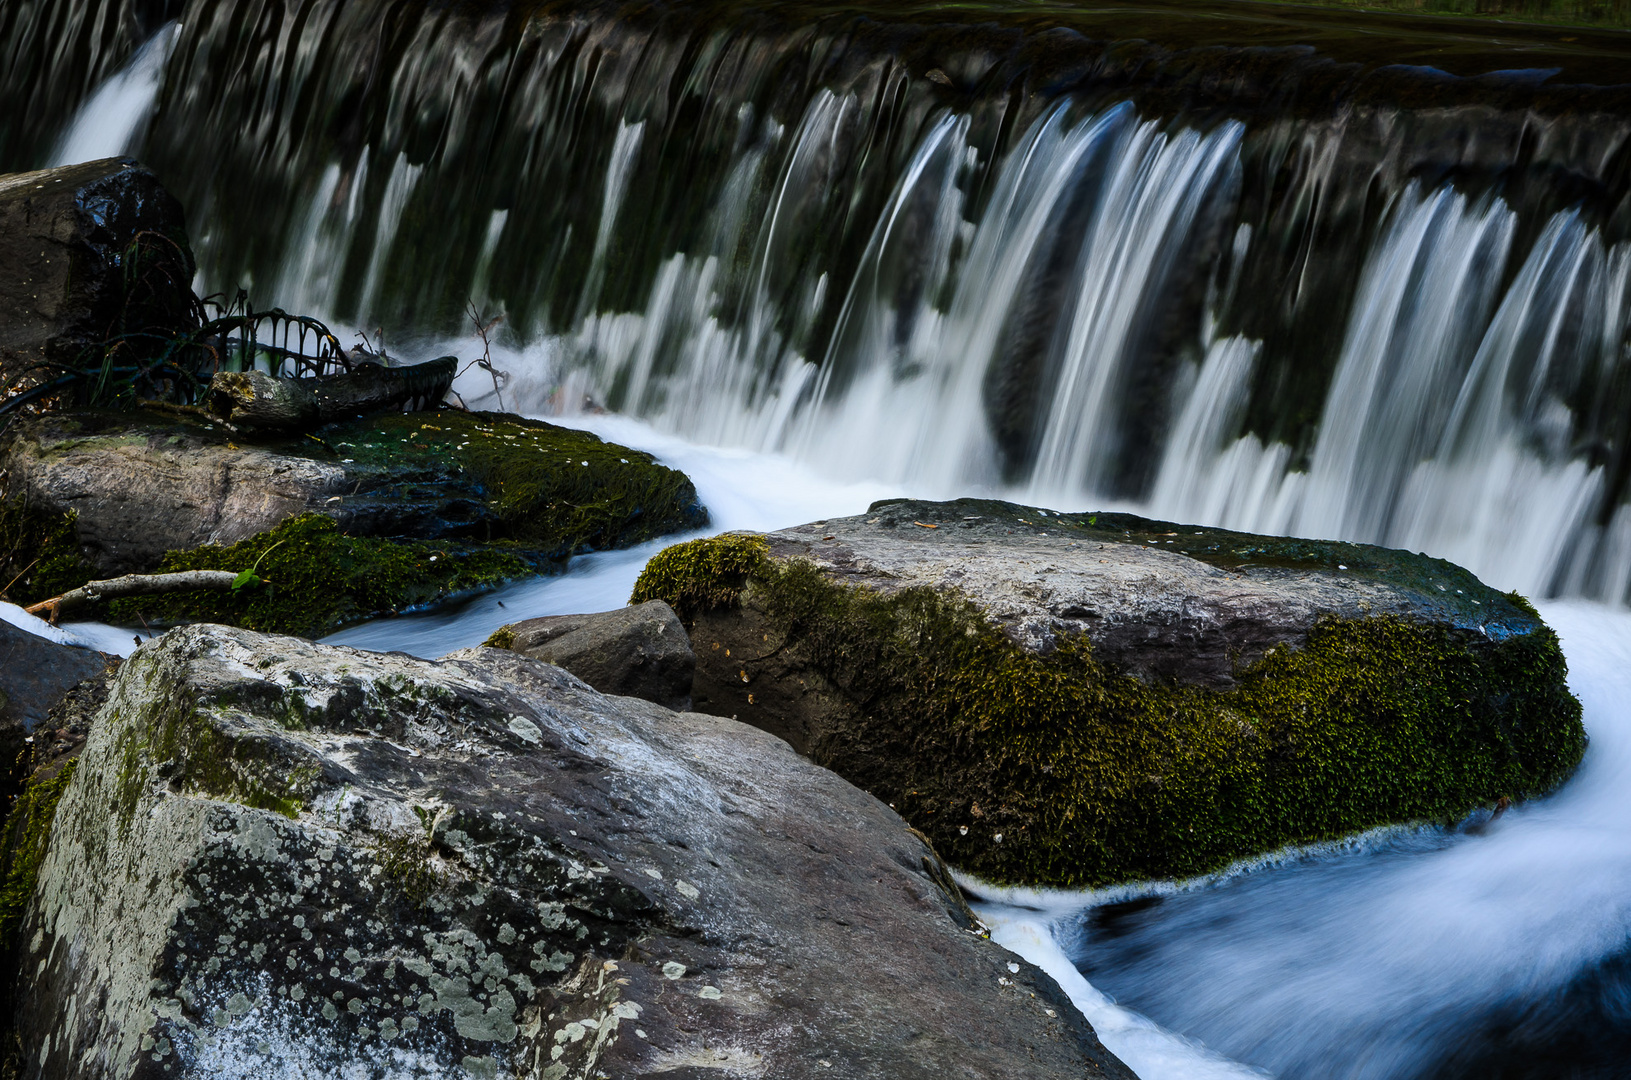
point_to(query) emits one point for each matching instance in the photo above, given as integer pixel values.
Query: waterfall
(1366, 321)
(112, 121)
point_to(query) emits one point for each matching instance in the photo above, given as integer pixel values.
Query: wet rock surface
(1160, 600)
(642, 650)
(86, 252)
(277, 858)
(35, 673)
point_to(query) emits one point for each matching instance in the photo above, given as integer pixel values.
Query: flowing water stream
(817, 262)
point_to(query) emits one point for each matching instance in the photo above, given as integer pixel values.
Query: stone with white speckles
(234, 821)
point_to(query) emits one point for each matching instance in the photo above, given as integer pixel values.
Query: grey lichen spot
(711, 993)
(481, 1068)
(526, 730)
(329, 1011)
(687, 890)
(673, 970)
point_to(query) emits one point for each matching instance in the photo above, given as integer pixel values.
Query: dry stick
(18, 578)
(131, 585)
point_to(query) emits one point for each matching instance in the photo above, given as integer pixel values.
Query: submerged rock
(1081, 699)
(278, 858)
(642, 650)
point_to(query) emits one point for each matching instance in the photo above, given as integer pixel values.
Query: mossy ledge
(314, 579)
(425, 508)
(1056, 768)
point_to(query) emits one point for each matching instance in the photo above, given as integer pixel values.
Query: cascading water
(1256, 287)
(1055, 294)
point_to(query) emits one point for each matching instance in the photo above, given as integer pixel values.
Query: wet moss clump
(558, 490)
(39, 552)
(23, 843)
(701, 574)
(313, 579)
(1054, 769)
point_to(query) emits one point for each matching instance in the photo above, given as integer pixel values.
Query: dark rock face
(86, 252)
(640, 651)
(35, 676)
(1084, 699)
(276, 858)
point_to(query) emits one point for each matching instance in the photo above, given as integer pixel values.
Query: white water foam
(111, 122)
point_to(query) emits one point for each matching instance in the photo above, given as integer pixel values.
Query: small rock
(640, 651)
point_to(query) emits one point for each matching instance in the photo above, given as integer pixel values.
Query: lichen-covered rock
(642, 650)
(142, 485)
(1080, 699)
(279, 859)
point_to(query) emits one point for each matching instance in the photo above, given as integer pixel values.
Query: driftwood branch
(256, 400)
(131, 585)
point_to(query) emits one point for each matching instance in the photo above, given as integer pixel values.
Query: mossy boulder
(1083, 699)
(141, 485)
(277, 858)
(380, 515)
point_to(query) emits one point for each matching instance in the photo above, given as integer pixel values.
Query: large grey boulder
(281, 859)
(641, 650)
(1082, 699)
(87, 252)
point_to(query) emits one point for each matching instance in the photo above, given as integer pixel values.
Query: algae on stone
(27, 833)
(556, 489)
(429, 506)
(39, 552)
(315, 579)
(1052, 767)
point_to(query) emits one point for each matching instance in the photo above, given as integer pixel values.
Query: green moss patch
(701, 574)
(1053, 769)
(315, 579)
(23, 844)
(561, 491)
(39, 553)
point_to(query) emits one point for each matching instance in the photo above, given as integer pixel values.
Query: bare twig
(131, 585)
(483, 331)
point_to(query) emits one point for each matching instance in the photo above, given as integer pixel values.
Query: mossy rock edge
(1053, 766)
(432, 507)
